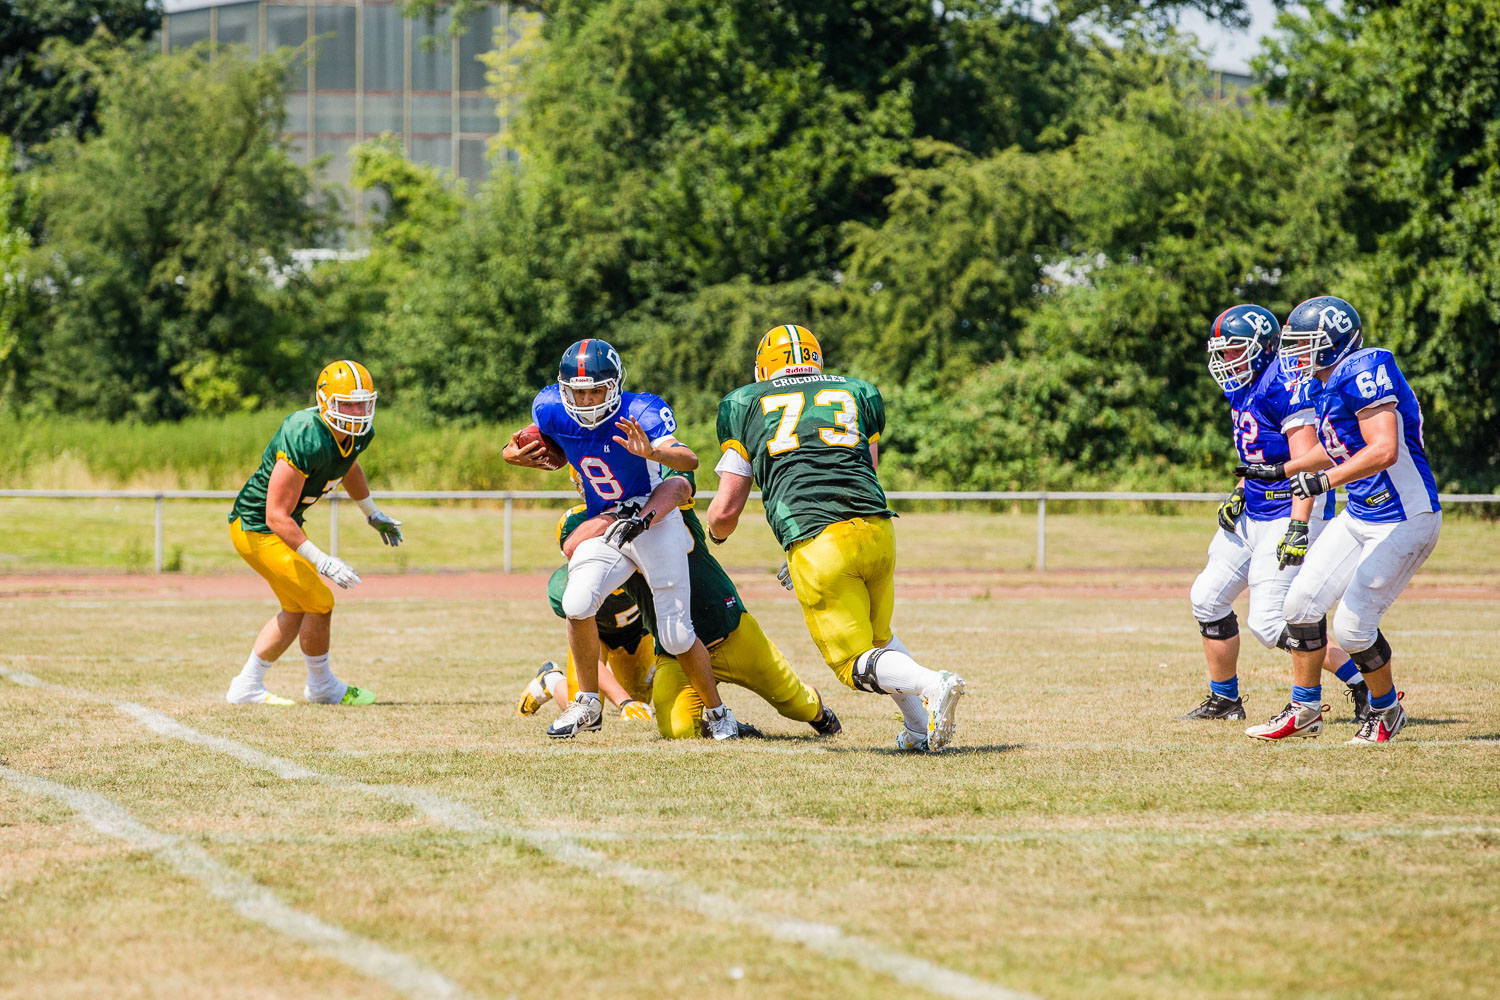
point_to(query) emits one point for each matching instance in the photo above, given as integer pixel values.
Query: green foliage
(163, 239)
(41, 97)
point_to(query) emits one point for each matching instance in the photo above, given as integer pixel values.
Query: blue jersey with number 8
(1370, 378)
(610, 473)
(1263, 412)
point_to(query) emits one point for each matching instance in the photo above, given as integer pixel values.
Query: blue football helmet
(1242, 345)
(1319, 334)
(590, 364)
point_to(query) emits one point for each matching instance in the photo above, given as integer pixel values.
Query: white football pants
(1362, 566)
(1248, 558)
(597, 569)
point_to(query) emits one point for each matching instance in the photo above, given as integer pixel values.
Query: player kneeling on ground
(739, 651)
(809, 439)
(312, 452)
(1370, 428)
(1264, 532)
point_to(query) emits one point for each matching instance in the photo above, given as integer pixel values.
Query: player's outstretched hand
(626, 529)
(338, 571)
(389, 527)
(784, 575)
(1266, 473)
(1292, 548)
(1231, 509)
(635, 440)
(1310, 484)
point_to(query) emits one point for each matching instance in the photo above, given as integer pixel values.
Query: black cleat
(826, 724)
(1359, 694)
(748, 731)
(1216, 707)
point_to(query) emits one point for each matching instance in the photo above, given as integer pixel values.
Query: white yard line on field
(250, 900)
(825, 939)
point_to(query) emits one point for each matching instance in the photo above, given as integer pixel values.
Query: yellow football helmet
(346, 397)
(787, 350)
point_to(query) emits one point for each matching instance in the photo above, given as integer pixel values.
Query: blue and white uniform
(1390, 525)
(612, 475)
(1263, 413)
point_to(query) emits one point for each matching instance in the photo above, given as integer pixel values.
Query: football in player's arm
(1370, 433)
(1263, 529)
(809, 439)
(311, 453)
(619, 442)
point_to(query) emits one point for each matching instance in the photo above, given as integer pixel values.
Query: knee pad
(1367, 661)
(1308, 637)
(578, 602)
(1225, 628)
(675, 633)
(863, 673)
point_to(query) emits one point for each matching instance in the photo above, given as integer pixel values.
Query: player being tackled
(312, 452)
(810, 440)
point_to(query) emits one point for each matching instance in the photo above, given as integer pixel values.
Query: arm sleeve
(871, 412)
(729, 434)
(733, 461)
(301, 448)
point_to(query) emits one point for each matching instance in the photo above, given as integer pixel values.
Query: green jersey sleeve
(871, 409)
(305, 443)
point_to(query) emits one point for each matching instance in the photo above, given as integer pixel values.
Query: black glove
(1262, 472)
(1231, 509)
(625, 529)
(1293, 545)
(1310, 484)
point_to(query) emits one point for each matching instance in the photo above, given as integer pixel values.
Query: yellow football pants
(747, 658)
(632, 670)
(845, 581)
(293, 579)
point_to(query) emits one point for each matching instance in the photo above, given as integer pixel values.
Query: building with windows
(370, 71)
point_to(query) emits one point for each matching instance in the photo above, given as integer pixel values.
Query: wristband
(715, 538)
(307, 550)
(367, 506)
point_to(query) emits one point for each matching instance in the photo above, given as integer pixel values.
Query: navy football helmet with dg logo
(591, 364)
(1319, 334)
(1242, 345)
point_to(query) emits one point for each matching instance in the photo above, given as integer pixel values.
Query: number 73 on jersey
(843, 432)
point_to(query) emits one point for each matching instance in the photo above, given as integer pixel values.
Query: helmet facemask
(594, 415)
(1304, 352)
(1231, 361)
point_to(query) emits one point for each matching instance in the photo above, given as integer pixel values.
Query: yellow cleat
(276, 699)
(358, 696)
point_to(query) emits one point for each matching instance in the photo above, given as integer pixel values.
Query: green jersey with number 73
(807, 439)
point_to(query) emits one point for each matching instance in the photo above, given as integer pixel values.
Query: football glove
(784, 575)
(1292, 548)
(1310, 484)
(1263, 472)
(332, 567)
(626, 529)
(389, 528)
(1231, 509)
(636, 711)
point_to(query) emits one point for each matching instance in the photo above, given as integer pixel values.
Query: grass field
(1077, 842)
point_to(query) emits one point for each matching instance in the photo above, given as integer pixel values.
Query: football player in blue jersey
(1263, 532)
(1370, 429)
(619, 441)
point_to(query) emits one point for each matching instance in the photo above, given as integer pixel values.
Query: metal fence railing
(509, 497)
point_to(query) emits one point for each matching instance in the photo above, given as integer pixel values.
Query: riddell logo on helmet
(1330, 318)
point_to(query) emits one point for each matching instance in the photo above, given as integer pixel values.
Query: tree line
(1019, 226)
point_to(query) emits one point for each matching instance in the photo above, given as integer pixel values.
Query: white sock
(255, 669)
(898, 673)
(913, 712)
(556, 683)
(319, 673)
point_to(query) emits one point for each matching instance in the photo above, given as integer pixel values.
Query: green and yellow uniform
(622, 632)
(738, 650)
(305, 443)
(807, 441)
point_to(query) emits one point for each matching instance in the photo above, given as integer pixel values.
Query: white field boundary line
(824, 939)
(250, 900)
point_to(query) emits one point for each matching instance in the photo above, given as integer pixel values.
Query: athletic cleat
(748, 732)
(246, 694)
(536, 693)
(722, 724)
(1296, 721)
(1381, 726)
(585, 715)
(357, 696)
(910, 741)
(1216, 706)
(826, 724)
(1359, 694)
(940, 707)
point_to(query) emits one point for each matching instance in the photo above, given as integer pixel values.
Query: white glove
(784, 575)
(332, 567)
(389, 527)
